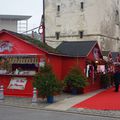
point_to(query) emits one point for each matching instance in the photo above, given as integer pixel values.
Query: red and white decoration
(17, 83)
(5, 46)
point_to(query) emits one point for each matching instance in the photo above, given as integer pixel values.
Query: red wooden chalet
(86, 55)
(21, 56)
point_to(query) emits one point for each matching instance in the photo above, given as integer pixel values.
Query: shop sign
(18, 83)
(5, 45)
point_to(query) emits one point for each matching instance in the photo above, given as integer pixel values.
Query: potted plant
(75, 80)
(46, 83)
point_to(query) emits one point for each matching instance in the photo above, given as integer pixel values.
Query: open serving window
(19, 64)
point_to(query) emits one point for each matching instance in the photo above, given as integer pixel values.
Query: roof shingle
(76, 48)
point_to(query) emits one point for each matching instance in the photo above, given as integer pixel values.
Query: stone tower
(78, 20)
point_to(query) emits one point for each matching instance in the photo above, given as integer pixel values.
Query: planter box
(74, 91)
(50, 99)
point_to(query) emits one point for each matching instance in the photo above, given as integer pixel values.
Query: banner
(17, 83)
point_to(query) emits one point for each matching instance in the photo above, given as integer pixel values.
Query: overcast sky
(23, 7)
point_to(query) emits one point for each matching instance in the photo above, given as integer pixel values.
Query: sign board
(5, 45)
(18, 83)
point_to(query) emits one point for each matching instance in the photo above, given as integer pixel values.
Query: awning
(21, 59)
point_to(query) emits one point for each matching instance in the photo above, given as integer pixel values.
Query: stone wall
(97, 18)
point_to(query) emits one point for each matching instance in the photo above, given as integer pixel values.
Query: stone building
(78, 20)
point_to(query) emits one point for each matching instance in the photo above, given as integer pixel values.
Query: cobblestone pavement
(105, 113)
(41, 104)
(27, 102)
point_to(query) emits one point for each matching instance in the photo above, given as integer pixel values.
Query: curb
(100, 113)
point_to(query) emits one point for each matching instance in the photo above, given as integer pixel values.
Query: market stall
(21, 58)
(19, 62)
(87, 55)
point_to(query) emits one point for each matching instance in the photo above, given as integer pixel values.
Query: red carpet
(106, 100)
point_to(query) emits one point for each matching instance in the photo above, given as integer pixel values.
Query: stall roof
(35, 42)
(113, 54)
(68, 48)
(105, 53)
(76, 48)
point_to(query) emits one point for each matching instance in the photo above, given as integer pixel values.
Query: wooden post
(34, 98)
(1, 92)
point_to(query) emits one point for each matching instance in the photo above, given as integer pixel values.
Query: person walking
(116, 78)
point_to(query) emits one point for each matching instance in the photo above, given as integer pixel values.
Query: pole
(34, 98)
(43, 21)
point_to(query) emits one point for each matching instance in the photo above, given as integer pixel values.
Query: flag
(41, 28)
(110, 56)
(32, 34)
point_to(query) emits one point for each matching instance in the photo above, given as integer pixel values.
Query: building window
(81, 5)
(81, 34)
(117, 17)
(118, 2)
(57, 34)
(58, 8)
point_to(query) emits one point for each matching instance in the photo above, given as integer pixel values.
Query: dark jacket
(116, 77)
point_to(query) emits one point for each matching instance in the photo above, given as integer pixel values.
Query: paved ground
(17, 113)
(67, 103)
(63, 103)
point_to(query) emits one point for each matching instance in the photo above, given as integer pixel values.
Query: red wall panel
(56, 63)
(69, 62)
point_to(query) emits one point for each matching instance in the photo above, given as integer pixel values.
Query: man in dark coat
(116, 78)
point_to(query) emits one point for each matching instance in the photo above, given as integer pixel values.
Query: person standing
(116, 78)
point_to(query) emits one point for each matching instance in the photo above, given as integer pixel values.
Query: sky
(23, 7)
